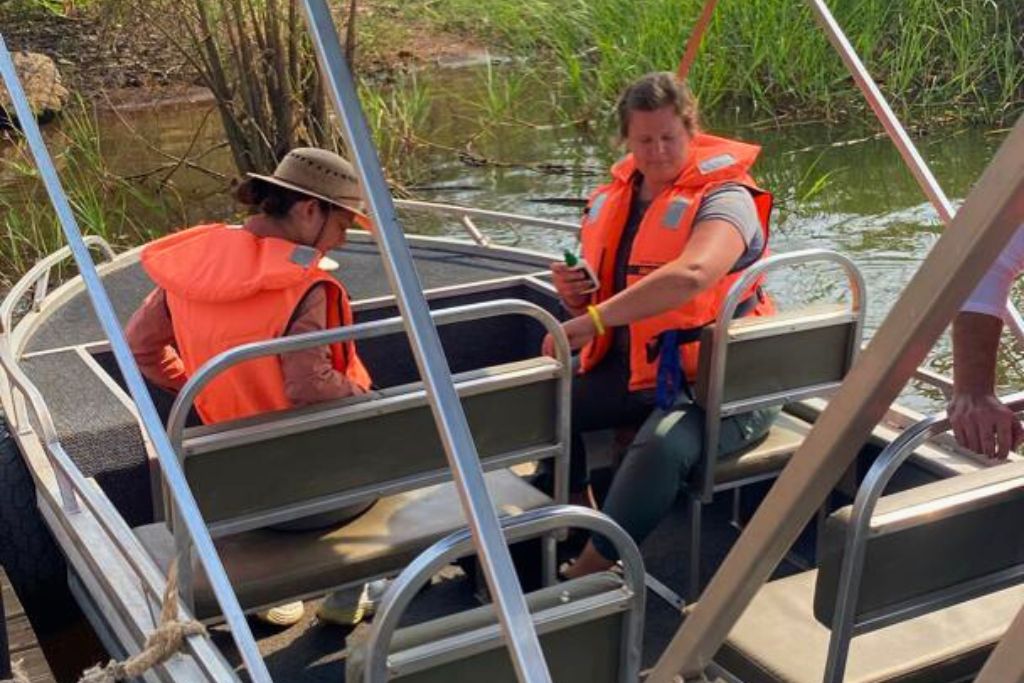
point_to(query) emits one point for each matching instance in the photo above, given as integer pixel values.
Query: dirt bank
(107, 52)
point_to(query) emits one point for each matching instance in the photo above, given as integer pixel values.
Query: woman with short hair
(666, 238)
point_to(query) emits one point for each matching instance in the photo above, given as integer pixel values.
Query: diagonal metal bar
(985, 223)
(173, 473)
(894, 129)
(516, 623)
(1005, 665)
(696, 36)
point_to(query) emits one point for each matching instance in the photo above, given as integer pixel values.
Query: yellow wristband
(595, 315)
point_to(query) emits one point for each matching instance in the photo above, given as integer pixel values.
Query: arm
(980, 422)
(309, 374)
(150, 336)
(713, 249)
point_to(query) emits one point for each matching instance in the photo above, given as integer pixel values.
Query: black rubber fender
(30, 556)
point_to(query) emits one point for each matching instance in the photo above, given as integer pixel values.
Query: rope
(165, 641)
(18, 674)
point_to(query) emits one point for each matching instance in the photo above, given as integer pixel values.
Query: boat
(163, 526)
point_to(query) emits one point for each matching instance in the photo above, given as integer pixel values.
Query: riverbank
(937, 61)
(111, 54)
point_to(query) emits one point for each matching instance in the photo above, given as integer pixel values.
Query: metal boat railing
(844, 625)
(104, 309)
(466, 215)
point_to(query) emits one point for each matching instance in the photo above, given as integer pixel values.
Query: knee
(677, 442)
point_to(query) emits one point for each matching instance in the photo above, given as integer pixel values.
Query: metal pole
(693, 44)
(980, 231)
(1005, 665)
(433, 366)
(894, 129)
(147, 412)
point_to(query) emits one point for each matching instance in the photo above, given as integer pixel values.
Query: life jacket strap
(665, 348)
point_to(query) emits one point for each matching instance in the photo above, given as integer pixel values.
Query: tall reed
(123, 212)
(960, 59)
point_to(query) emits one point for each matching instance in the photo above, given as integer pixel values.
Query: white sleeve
(992, 292)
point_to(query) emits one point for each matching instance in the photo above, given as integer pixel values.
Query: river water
(838, 186)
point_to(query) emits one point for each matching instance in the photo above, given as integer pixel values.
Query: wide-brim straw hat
(320, 174)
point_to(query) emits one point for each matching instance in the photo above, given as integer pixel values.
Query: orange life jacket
(663, 234)
(226, 287)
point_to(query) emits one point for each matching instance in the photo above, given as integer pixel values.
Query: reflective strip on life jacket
(664, 231)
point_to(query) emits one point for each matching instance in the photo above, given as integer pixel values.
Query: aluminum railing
(871, 489)
(107, 317)
(526, 525)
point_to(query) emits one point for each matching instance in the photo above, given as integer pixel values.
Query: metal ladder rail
(518, 628)
(883, 112)
(147, 412)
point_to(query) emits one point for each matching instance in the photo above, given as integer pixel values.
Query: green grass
(121, 211)
(942, 59)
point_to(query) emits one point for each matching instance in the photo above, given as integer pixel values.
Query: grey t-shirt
(730, 202)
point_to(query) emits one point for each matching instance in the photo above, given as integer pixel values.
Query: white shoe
(337, 608)
(284, 615)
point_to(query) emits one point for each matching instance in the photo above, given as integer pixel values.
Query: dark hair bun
(251, 192)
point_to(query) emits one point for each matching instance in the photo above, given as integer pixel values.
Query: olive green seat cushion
(778, 640)
(267, 566)
(588, 652)
(922, 542)
(767, 457)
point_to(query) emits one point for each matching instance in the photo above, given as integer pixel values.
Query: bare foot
(589, 562)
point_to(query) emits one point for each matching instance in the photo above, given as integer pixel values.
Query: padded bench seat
(778, 640)
(267, 566)
(769, 456)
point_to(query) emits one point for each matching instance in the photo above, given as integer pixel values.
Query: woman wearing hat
(219, 286)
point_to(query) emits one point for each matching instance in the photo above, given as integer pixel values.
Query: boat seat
(599, 635)
(254, 477)
(941, 582)
(268, 566)
(778, 640)
(762, 362)
(769, 456)
(363, 442)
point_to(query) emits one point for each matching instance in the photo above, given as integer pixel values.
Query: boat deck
(314, 652)
(64, 354)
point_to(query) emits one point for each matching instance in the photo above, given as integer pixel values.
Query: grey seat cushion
(770, 455)
(599, 638)
(267, 566)
(778, 639)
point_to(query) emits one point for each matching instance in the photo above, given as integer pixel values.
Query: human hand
(981, 423)
(579, 331)
(571, 284)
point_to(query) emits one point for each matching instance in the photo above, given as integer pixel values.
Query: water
(839, 187)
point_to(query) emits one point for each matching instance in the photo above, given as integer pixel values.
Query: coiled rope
(165, 641)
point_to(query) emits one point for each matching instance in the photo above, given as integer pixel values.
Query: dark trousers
(662, 454)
